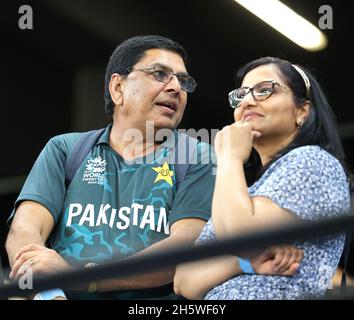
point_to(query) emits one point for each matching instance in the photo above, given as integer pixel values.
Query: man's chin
(166, 124)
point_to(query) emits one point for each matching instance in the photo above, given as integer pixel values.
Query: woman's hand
(281, 260)
(234, 142)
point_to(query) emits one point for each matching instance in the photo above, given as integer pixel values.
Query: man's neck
(131, 143)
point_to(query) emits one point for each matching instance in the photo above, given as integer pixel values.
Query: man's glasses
(165, 75)
(261, 91)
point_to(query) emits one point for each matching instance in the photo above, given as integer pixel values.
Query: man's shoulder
(200, 145)
(66, 141)
(202, 152)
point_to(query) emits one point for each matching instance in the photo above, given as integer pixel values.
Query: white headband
(306, 80)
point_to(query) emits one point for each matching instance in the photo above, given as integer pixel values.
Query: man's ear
(115, 89)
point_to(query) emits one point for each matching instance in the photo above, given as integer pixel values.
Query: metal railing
(302, 230)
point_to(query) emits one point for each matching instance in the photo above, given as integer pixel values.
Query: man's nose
(173, 84)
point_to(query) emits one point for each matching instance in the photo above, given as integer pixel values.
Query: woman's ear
(115, 89)
(303, 112)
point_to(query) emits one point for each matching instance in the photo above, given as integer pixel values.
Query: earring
(299, 123)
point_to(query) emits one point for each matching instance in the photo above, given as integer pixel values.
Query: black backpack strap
(79, 152)
(188, 145)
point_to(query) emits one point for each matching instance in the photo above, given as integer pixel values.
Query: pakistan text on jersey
(121, 218)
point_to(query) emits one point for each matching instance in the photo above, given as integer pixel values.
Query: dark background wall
(52, 76)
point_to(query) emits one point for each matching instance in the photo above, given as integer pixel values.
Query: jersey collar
(104, 138)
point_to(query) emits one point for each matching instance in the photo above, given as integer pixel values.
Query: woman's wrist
(228, 165)
(245, 266)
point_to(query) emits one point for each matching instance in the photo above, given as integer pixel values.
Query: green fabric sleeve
(194, 195)
(45, 183)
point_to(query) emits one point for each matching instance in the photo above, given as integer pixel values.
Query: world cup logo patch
(95, 171)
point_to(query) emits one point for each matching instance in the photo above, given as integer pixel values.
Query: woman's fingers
(291, 270)
(285, 257)
(256, 134)
(238, 114)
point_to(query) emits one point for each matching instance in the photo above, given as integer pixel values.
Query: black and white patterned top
(312, 184)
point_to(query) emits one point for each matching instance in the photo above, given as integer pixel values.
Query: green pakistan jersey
(112, 208)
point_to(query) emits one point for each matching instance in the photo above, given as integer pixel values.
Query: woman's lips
(250, 116)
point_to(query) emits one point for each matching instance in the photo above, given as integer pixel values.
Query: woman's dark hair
(318, 129)
(129, 53)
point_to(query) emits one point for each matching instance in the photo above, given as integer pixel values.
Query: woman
(295, 170)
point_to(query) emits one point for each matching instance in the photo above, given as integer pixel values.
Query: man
(114, 206)
(118, 203)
